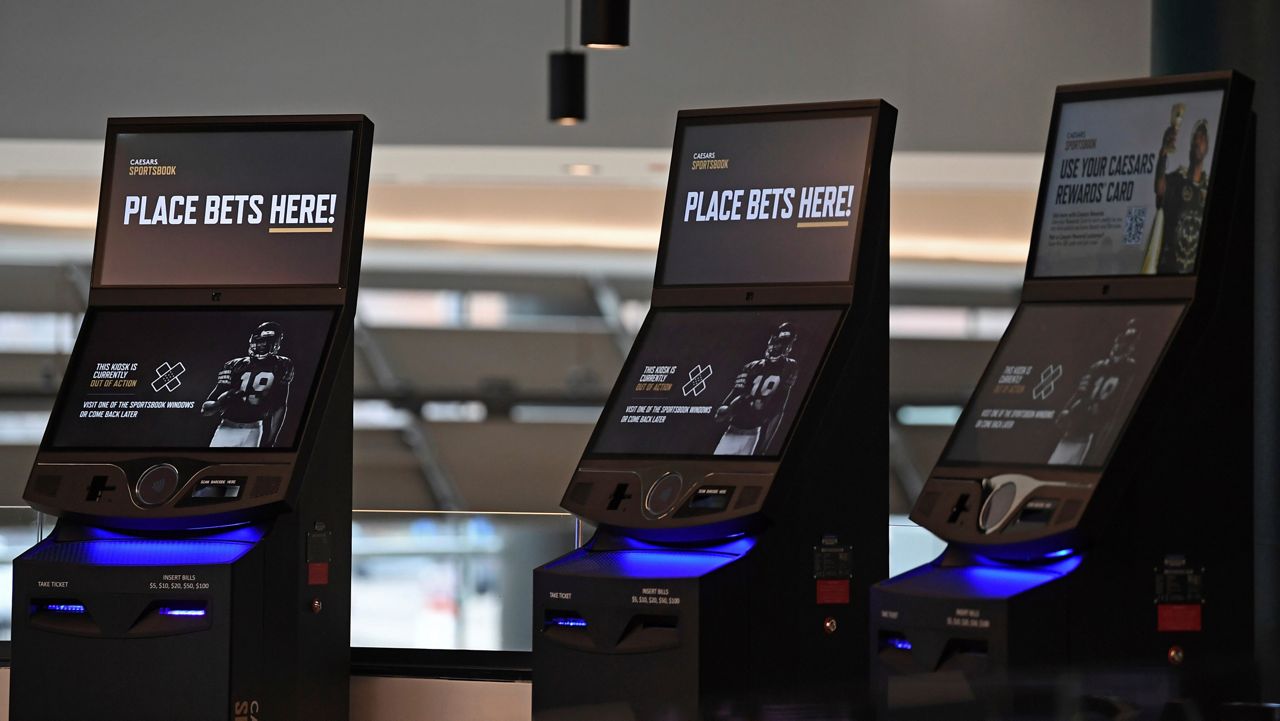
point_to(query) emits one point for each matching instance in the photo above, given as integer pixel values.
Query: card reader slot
(1038, 515)
(650, 632)
(63, 615)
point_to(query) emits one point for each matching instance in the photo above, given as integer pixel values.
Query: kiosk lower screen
(191, 379)
(715, 383)
(1063, 384)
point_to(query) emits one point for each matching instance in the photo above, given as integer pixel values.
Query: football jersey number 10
(261, 382)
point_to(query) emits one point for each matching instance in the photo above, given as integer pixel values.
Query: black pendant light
(568, 73)
(606, 23)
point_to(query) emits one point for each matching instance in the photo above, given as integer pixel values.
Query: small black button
(97, 487)
(157, 484)
(619, 495)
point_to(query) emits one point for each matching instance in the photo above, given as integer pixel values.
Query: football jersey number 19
(261, 383)
(1104, 387)
(765, 386)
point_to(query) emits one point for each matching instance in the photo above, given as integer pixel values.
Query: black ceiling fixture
(606, 23)
(568, 72)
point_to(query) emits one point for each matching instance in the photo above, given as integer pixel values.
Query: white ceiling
(967, 75)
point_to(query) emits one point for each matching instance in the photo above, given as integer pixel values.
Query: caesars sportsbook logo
(707, 160)
(150, 166)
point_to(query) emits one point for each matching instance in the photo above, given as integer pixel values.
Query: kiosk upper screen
(1063, 384)
(765, 202)
(1128, 184)
(225, 208)
(191, 379)
(715, 383)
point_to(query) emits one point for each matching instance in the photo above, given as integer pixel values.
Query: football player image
(754, 407)
(1180, 201)
(252, 393)
(1100, 393)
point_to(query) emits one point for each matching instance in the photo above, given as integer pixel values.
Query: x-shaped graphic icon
(1048, 380)
(697, 382)
(167, 377)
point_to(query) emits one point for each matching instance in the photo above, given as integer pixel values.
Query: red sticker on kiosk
(1172, 617)
(833, 592)
(317, 574)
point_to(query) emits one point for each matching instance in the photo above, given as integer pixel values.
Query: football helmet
(1126, 341)
(781, 342)
(265, 340)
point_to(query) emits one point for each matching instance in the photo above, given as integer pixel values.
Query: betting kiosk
(198, 457)
(1094, 494)
(737, 473)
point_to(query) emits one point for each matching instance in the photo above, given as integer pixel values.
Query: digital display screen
(1128, 185)
(191, 379)
(765, 202)
(1063, 384)
(225, 208)
(715, 383)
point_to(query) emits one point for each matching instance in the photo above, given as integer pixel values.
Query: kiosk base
(972, 637)
(636, 631)
(623, 630)
(109, 625)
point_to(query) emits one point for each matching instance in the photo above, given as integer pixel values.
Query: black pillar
(1198, 35)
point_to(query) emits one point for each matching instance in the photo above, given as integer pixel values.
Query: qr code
(1135, 220)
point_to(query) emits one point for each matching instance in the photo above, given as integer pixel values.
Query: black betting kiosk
(198, 457)
(1094, 494)
(737, 473)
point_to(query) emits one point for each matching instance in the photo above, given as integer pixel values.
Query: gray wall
(966, 74)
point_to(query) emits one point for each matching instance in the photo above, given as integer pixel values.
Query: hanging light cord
(568, 23)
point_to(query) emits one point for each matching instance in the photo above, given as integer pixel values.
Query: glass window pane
(435, 580)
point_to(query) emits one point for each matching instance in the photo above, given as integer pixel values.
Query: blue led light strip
(568, 622)
(899, 643)
(182, 612)
(73, 608)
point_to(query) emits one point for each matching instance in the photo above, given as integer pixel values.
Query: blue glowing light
(1060, 554)
(153, 552)
(238, 533)
(1057, 568)
(899, 643)
(182, 612)
(113, 548)
(984, 577)
(668, 564)
(568, 622)
(641, 559)
(139, 552)
(73, 608)
(735, 546)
